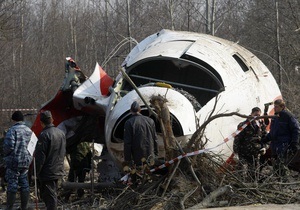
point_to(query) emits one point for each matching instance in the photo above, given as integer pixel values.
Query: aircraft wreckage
(190, 70)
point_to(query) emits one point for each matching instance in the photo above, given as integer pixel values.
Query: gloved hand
(263, 151)
(126, 166)
(126, 169)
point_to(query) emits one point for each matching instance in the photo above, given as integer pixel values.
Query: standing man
(140, 139)
(49, 156)
(247, 144)
(284, 136)
(17, 159)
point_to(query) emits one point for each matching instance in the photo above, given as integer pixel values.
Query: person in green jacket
(80, 165)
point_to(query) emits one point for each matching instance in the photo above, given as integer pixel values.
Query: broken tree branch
(197, 135)
(138, 92)
(207, 201)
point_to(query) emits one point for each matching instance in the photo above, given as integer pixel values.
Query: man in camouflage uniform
(17, 159)
(247, 144)
(80, 164)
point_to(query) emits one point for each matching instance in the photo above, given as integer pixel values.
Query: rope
(168, 163)
(12, 110)
(230, 137)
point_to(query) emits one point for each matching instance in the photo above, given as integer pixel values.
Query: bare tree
(36, 36)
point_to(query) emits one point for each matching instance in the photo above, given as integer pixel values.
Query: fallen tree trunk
(163, 115)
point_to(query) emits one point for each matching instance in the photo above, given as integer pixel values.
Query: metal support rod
(138, 92)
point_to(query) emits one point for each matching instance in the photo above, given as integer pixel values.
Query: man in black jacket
(49, 154)
(284, 136)
(140, 139)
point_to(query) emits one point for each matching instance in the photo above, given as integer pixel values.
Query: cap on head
(45, 115)
(135, 107)
(17, 116)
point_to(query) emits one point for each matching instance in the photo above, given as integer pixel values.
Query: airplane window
(240, 62)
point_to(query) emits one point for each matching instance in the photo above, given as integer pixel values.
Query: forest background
(37, 35)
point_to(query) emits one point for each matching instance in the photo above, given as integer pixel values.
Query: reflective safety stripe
(230, 137)
(12, 110)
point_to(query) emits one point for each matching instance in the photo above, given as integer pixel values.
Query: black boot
(24, 200)
(10, 200)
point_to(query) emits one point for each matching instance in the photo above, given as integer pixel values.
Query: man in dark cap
(49, 154)
(17, 159)
(140, 139)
